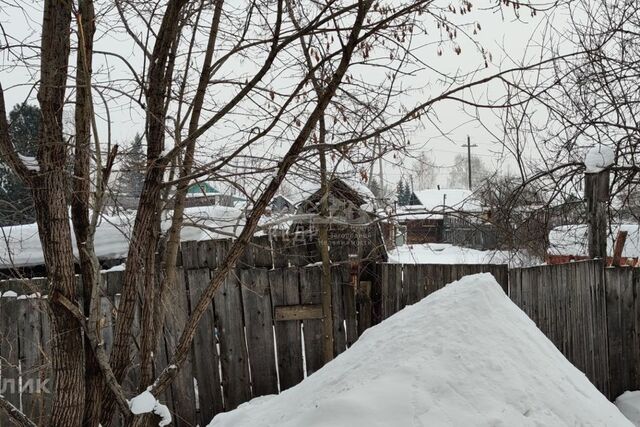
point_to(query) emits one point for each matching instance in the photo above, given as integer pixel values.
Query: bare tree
(218, 82)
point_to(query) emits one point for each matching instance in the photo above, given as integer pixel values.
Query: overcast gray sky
(506, 37)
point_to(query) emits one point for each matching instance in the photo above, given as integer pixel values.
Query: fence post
(597, 195)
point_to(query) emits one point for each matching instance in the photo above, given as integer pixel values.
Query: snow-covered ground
(20, 245)
(572, 240)
(443, 253)
(464, 356)
(629, 405)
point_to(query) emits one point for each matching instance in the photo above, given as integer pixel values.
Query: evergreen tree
(400, 193)
(375, 188)
(16, 204)
(403, 193)
(133, 169)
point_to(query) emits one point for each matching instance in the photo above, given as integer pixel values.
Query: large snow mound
(464, 356)
(629, 405)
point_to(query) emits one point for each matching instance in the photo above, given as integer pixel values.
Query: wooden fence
(591, 313)
(262, 334)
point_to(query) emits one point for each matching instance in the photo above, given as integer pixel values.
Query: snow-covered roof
(305, 188)
(572, 240)
(448, 200)
(20, 244)
(464, 356)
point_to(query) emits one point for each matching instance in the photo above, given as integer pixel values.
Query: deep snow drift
(629, 405)
(464, 356)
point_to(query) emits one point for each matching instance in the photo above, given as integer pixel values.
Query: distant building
(354, 232)
(205, 194)
(453, 216)
(280, 204)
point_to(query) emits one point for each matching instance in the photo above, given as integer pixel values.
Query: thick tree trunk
(144, 240)
(50, 199)
(80, 200)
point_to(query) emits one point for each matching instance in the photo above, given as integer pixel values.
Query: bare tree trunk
(50, 199)
(173, 239)
(80, 200)
(144, 240)
(237, 248)
(323, 226)
(323, 241)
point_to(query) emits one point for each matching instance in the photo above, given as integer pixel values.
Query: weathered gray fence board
(310, 293)
(175, 319)
(285, 291)
(339, 334)
(29, 331)
(233, 350)
(205, 354)
(256, 302)
(9, 352)
(349, 306)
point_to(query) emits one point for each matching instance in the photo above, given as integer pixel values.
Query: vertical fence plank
(233, 350)
(310, 293)
(29, 331)
(205, 351)
(256, 302)
(284, 291)
(614, 330)
(9, 352)
(339, 332)
(410, 285)
(182, 387)
(349, 286)
(598, 299)
(364, 306)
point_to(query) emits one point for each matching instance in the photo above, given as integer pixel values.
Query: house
(281, 204)
(354, 232)
(446, 216)
(206, 194)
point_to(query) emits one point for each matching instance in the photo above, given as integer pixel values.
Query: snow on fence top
(20, 244)
(465, 355)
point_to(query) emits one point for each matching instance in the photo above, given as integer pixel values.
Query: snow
(443, 253)
(448, 200)
(142, 403)
(629, 405)
(145, 403)
(29, 162)
(305, 188)
(572, 240)
(20, 245)
(464, 356)
(598, 158)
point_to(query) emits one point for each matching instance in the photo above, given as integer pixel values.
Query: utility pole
(469, 146)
